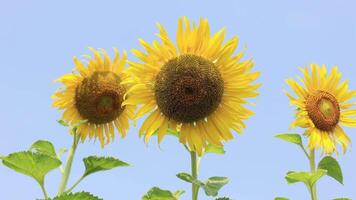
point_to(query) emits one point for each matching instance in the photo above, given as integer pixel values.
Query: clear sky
(39, 38)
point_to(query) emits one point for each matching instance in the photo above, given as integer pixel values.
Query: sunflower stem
(312, 169)
(75, 184)
(68, 167)
(194, 163)
(44, 191)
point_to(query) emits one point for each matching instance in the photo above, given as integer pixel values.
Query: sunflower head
(94, 92)
(188, 88)
(99, 97)
(195, 85)
(323, 106)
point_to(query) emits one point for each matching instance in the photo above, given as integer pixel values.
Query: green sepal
(45, 147)
(77, 196)
(333, 168)
(35, 165)
(157, 193)
(214, 184)
(62, 122)
(95, 164)
(168, 132)
(309, 178)
(78, 124)
(211, 148)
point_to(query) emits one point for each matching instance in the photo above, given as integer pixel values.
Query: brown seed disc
(188, 88)
(323, 109)
(98, 98)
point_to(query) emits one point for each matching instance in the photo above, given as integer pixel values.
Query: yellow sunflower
(197, 87)
(322, 106)
(93, 92)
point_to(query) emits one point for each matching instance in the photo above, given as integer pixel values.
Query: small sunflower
(197, 87)
(322, 106)
(94, 92)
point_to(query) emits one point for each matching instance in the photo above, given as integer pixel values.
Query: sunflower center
(98, 98)
(188, 88)
(323, 109)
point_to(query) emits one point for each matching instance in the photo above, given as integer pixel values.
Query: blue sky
(39, 38)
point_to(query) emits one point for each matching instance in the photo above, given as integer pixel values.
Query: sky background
(39, 38)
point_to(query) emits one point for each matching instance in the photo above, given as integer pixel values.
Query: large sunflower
(322, 106)
(93, 92)
(198, 86)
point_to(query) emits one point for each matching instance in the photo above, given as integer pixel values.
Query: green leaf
(156, 193)
(290, 137)
(281, 198)
(308, 178)
(77, 196)
(36, 165)
(178, 193)
(61, 151)
(211, 148)
(185, 177)
(214, 184)
(332, 166)
(45, 147)
(290, 180)
(95, 164)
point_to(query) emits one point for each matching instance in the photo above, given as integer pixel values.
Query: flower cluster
(196, 88)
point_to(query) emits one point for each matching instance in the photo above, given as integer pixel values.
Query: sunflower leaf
(157, 193)
(309, 178)
(289, 179)
(214, 184)
(45, 147)
(211, 148)
(36, 165)
(95, 164)
(223, 198)
(185, 177)
(281, 198)
(291, 137)
(333, 168)
(295, 139)
(178, 193)
(77, 196)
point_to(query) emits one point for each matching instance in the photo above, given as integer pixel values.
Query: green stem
(75, 184)
(44, 191)
(312, 169)
(68, 167)
(305, 152)
(194, 163)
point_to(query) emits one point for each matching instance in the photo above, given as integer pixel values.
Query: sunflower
(93, 92)
(197, 87)
(322, 106)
